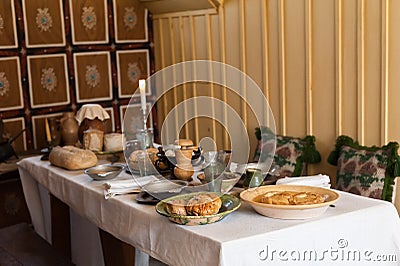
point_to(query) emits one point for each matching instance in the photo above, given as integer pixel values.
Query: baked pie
(291, 198)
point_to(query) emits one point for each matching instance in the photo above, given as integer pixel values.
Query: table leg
(115, 251)
(141, 258)
(60, 226)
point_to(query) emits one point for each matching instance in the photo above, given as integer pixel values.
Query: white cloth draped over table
(126, 185)
(314, 180)
(244, 237)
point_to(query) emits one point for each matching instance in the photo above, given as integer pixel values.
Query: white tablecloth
(357, 231)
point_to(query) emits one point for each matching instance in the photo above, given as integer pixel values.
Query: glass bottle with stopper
(145, 136)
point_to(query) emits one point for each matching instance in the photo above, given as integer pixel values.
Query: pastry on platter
(176, 207)
(198, 205)
(305, 198)
(291, 198)
(203, 204)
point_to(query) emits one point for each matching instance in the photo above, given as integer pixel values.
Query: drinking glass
(215, 165)
(131, 146)
(254, 178)
(145, 162)
(146, 138)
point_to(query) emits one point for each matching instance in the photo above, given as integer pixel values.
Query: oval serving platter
(229, 204)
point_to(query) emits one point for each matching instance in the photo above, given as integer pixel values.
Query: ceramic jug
(69, 129)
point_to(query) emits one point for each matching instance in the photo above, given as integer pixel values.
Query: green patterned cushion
(291, 153)
(366, 171)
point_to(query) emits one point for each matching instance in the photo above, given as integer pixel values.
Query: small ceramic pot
(183, 157)
(185, 173)
(69, 129)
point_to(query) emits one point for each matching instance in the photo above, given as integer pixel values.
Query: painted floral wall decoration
(56, 55)
(89, 18)
(49, 79)
(134, 72)
(92, 76)
(4, 84)
(130, 18)
(43, 19)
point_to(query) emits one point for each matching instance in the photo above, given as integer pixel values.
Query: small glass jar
(253, 178)
(146, 138)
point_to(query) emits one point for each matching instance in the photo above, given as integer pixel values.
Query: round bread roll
(176, 207)
(184, 143)
(133, 162)
(153, 151)
(185, 173)
(203, 204)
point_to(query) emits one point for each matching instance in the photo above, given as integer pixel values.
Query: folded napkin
(314, 180)
(125, 186)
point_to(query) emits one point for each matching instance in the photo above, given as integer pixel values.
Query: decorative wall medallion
(92, 76)
(1, 24)
(130, 18)
(43, 19)
(88, 17)
(4, 84)
(134, 72)
(48, 79)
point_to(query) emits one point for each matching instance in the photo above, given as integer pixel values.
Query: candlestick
(47, 128)
(142, 88)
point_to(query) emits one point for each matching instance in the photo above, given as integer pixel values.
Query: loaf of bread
(72, 158)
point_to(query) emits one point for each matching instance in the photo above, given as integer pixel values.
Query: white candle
(142, 88)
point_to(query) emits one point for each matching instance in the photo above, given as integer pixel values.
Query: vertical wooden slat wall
(327, 67)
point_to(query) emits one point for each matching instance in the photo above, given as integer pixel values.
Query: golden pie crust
(292, 198)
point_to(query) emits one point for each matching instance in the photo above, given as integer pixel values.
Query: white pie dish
(289, 211)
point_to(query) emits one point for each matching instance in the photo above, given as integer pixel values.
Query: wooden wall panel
(348, 68)
(34, 52)
(327, 67)
(393, 70)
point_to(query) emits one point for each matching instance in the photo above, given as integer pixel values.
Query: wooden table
(365, 227)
